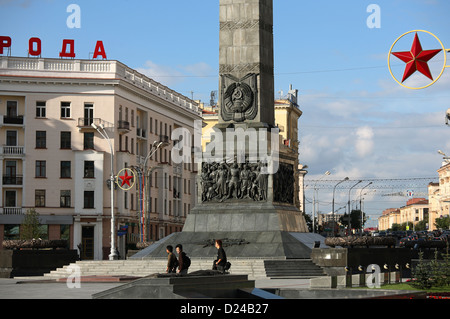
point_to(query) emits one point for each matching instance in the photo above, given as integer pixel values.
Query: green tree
(31, 225)
(422, 274)
(442, 222)
(355, 218)
(421, 225)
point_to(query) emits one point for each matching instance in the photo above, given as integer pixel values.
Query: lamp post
(362, 214)
(101, 130)
(334, 189)
(144, 173)
(327, 173)
(349, 209)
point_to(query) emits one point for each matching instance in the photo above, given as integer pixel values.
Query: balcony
(12, 151)
(164, 139)
(16, 180)
(12, 211)
(123, 126)
(85, 123)
(18, 120)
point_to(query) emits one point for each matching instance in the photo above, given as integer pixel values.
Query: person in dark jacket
(221, 261)
(182, 267)
(172, 262)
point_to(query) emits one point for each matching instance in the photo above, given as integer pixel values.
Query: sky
(357, 121)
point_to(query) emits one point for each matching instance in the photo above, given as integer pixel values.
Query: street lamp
(349, 209)
(327, 173)
(362, 216)
(334, 189)
(101, 130)
(144, 173)
(445, 157)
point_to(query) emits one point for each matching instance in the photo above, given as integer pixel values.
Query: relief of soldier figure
(222, 181)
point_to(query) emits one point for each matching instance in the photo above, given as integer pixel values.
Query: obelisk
(243, 198)
(246, 63)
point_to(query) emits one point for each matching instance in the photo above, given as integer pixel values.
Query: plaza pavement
(42, 288)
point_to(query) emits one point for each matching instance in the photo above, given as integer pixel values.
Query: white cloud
(161, 73)
(171, 76)
(364, 143)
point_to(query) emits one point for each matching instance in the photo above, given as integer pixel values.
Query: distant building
(439, 195)
(389, 217)
(415, 210)
(53, 160)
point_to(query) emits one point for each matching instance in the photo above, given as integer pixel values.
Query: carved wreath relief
(222, 181)
(239, 102)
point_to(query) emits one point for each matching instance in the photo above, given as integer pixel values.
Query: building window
(11, 138)
(10, 198)
(41, 139)
(11, 109)
(65, 169)
(40, 109)
(65, 110)
(39, 198)
(66, 140)
(88, 141)
(88, 199)
(11, 232)
(41, 168)
(65, 199)
(89, 169)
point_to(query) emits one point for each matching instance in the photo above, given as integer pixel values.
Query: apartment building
(53, 159)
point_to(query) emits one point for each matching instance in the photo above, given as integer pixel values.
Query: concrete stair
(297, 268)
(254, 268)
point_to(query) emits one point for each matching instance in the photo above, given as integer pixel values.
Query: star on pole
(126, 179)
(416, 59)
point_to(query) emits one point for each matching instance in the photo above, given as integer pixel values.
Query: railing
(16, 120)
(12, 150)
(123, 125)
(12, 211)
(85, 122)
(164, 138)
(12, 180)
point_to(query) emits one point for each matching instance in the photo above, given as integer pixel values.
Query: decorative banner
(417, 59)
(125, 180)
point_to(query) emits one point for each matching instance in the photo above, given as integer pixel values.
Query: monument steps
(146, 267)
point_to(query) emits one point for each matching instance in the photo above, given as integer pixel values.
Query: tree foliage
(31, 225)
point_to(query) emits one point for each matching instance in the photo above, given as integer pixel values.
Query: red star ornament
(416, 59)
(126, 179)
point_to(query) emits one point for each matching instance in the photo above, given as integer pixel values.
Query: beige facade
(389, 217)
(53, 160)
(439, 195)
